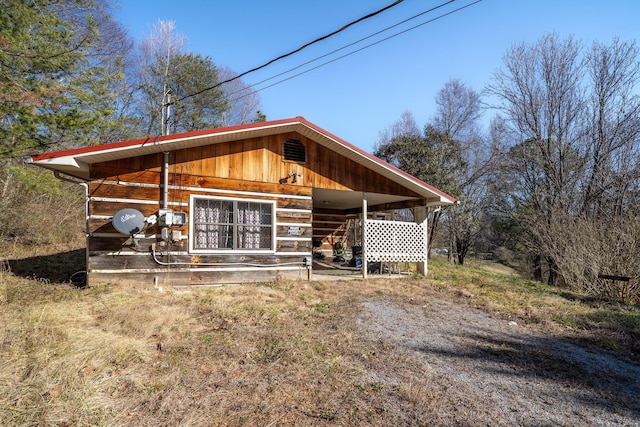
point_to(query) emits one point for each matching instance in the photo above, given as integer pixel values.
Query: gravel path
(483, 370)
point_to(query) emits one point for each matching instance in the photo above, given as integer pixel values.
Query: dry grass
(608, 323)
(286, 353)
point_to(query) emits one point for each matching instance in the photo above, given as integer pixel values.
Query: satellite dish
(128, 221)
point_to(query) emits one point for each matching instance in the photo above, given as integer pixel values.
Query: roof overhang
(76, 162)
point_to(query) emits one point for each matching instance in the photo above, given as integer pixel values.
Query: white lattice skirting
(395, 241)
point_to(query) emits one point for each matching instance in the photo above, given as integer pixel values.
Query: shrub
(36, 208)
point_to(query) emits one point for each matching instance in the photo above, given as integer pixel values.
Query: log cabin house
(255, 202)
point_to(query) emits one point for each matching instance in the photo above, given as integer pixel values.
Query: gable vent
(294, 150)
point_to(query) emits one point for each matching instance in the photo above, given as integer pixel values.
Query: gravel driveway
(476, 369)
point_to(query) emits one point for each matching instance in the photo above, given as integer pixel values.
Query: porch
(391, 240)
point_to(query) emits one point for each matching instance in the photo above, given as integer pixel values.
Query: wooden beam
(408, 204)
(364, 235)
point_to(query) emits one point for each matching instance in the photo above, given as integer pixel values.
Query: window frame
(235, 225)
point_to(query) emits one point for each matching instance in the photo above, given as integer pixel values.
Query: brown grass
(285, 353)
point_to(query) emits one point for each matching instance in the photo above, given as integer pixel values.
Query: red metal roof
(155, 140)
(72, 161)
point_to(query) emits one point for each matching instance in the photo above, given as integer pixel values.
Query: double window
(219, 224)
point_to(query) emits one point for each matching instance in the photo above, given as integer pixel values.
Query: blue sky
(357, 96)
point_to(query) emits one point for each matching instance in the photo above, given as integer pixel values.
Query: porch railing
(395, 241)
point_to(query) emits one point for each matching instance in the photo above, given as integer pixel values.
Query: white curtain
(213, 224)
(249, 232)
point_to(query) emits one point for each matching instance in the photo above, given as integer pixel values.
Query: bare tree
(457, 115)
(405, 125)
(457, 110)
(612, 127)
(569, 171)
(244, 102)
(542, 102)
(156, 61)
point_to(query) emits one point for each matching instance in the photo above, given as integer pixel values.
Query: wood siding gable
(257, 160)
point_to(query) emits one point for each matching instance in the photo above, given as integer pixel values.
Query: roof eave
(67, 165)
(386, 169)
(75, 162)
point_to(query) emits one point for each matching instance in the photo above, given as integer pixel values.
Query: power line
(354, 51)
(353, 43)
(370, 15)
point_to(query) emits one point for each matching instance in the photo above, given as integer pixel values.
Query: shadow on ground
(494, 369)
(560, 368)
(54, 268)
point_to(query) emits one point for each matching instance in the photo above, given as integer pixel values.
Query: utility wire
(352, 52)
(352, 44)
(395, 3)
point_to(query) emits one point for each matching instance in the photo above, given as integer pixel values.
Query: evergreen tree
(53, 78)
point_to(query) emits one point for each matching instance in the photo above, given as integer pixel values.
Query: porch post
(364, 235)
(423, 217)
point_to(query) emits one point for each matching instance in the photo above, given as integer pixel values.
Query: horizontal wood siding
(112, 254)
(328, 229)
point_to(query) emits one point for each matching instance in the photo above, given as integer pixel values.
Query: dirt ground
(475, 369)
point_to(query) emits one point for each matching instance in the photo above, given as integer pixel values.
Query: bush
(36, 208)
(585, 248)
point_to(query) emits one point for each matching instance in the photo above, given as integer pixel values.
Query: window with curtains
(228, 224)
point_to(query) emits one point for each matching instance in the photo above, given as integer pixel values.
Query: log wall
(252, 169)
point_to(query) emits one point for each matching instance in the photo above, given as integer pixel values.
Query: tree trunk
(553, 272)
(537, 268)
(432, 230)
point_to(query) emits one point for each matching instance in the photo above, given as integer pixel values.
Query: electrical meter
(179, 218)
